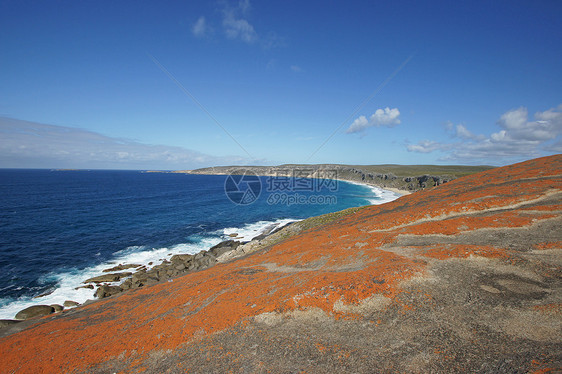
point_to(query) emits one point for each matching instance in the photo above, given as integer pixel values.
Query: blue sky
(179, 85)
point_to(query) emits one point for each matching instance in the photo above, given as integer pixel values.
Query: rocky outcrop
(113, 277)
(181, 264)
(465, 277)
(178, 265)
(35, 311)
(106, 291)
(121, 267)
(57, 308)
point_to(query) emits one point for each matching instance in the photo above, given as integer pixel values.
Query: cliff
(464, 277)
(406, 178)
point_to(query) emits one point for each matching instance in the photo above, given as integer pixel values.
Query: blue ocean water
(57, 228)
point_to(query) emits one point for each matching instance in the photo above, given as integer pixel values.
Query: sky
(188, 84)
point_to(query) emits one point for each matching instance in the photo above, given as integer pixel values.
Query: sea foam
(67, 282)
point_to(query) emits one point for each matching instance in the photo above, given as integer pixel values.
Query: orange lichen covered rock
(461, 277)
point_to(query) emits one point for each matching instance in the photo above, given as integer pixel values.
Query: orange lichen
(344, 261)
(445, 251)
(555, 308)
(549, 245)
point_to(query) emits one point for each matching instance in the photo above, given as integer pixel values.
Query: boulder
(180, 267)
(106, 291)
(223, 247)
(127, 284)
(58, 308)
(152, 275)
(88, 286)
(70, 303)
(177, 259)
(139, 277)
(121, 267)
(205, 261)
(34, 311)
(113, 277)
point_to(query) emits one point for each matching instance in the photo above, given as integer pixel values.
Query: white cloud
(200, 28)
(426, 146)
(244, 6)
(546, 127)
(382, 117)
(518, 138)
(28, 144)
(235, 26)
(296, 69)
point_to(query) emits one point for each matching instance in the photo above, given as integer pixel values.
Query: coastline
(396, 191)
(336, 291)
(72, 286)
(402, 178)
(112, 276)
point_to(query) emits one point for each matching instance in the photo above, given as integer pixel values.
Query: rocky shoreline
(126, 277)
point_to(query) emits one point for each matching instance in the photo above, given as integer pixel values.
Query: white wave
(68, 281)
(251, 230)
(381, 196)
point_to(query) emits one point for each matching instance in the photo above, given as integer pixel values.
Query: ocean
(60, 227)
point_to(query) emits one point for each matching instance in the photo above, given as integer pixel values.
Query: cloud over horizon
(382, 117)
(35, 145)
(518, 138)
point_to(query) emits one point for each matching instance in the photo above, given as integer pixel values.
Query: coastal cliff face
(406, 178)
(464, 277)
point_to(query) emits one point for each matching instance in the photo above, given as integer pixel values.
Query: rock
(181, 258)
(106, 291)
(205, 261)
(139, 277)
(152, 275)
(223, 247)
(127, 284)
(172, 273)
(234, 235)
(70, 303)
(162, 266)
(121, 267)
(58, 308)
(7, 322)
(113, 277)
(34, 311)
(88, 286)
